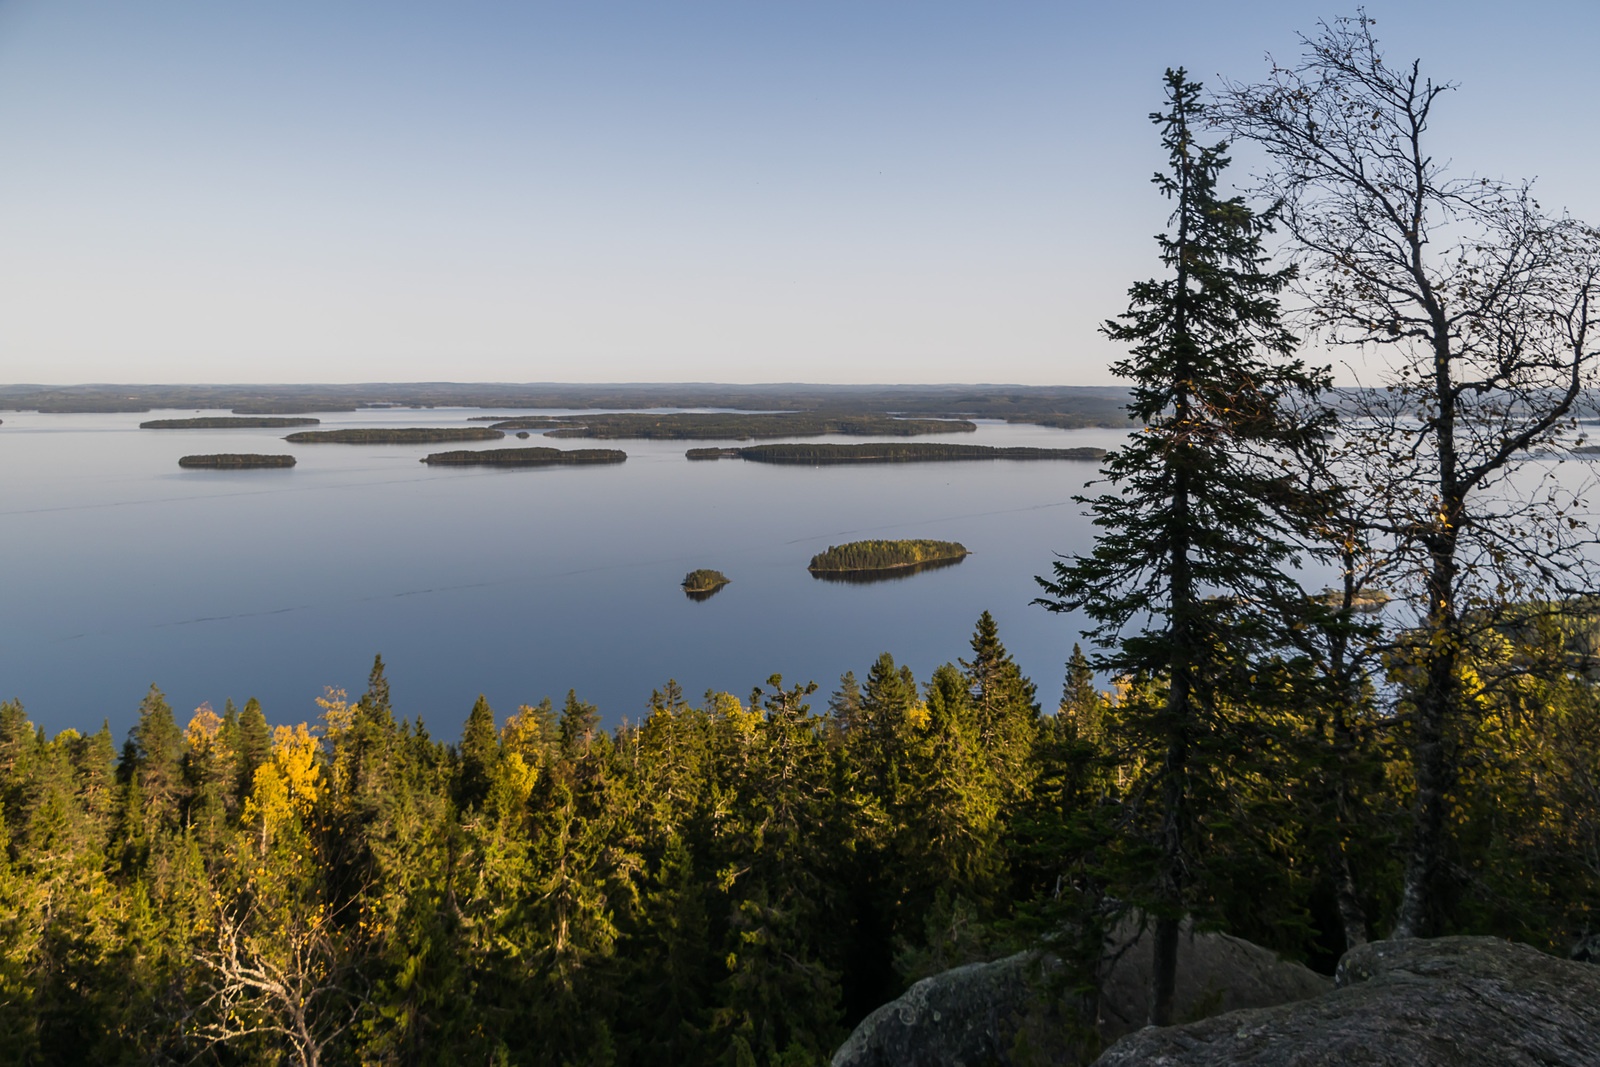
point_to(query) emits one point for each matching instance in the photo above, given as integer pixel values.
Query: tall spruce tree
(1188, 568)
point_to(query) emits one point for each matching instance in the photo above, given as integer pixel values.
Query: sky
(750, 191)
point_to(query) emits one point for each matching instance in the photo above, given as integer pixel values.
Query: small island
(226, 422)
(873, 557)
(524, 457)
(704, 583)
(235, 461)
(888, 452)
(1366, 602)
(395, 435)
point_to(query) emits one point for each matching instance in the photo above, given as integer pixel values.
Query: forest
(394, 435)
(523, 457)
(715, 425)
(732, 880)
(1069, 406)
(889, 452)
(236, 460)
(226, 422)
(885, 555)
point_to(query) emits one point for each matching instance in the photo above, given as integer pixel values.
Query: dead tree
(284, 978)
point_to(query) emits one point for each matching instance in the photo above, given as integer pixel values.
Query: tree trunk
(1438, 697)
(1164, 965)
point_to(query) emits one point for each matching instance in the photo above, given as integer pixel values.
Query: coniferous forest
(728, 880)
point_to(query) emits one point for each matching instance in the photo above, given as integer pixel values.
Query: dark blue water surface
(123, 570)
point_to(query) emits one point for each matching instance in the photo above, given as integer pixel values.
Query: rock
(1216, 973)
(1457, 1001)
(960, 1018)
(986, 1012)
(1587, 950)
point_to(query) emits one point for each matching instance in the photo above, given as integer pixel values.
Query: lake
(124, 570)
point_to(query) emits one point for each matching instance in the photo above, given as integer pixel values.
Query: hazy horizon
(707, 192)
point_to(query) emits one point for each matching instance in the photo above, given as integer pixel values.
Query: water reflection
(894, 575)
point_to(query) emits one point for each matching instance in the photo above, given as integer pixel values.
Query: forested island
(524, 457)
(225, 422)
(236, 461)
(867, 556)
(888, 452)
(693, 426)
(389, 435)
(701, 584)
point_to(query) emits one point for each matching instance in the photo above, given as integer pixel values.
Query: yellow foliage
(337, 711)
(917, 716)
(727, 707)
(519, 777)
(268, 802)
(203, 729)
(523, 735)
(294, 752)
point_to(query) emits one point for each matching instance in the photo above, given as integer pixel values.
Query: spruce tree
(480, 751)
(1005, 704)
(1188, 568)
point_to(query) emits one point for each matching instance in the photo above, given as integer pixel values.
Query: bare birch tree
(284, 978)
(1480, 307)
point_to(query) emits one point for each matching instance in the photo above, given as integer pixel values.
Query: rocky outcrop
(1003, 1012)
(960, 1018)
(1216, 973)
(1456, 1001)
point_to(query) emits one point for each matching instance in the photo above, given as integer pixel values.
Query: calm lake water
(124, 570)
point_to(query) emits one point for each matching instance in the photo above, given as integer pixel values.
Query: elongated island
(226, 422)
(395, 435)
(873, 557)
(702, 584)
(734, 425)
(524, 457)
(888, 452)
(235, 461)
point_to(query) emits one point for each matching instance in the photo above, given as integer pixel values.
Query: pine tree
(1188, 568)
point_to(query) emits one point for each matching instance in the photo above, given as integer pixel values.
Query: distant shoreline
(889, 452)
(227, 422)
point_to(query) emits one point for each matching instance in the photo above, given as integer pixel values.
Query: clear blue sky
(650, 191)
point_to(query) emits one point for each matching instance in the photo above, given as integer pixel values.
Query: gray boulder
(1216, 973)
(1456, 1001)
(960, 1018)
(1003, 1012)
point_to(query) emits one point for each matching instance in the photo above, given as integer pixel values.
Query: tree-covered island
(235, 461)
(703, 583)
(888, 452)
(524, 457)
(861, 556)
(733, 425)
(227, 422)
(395, 435)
